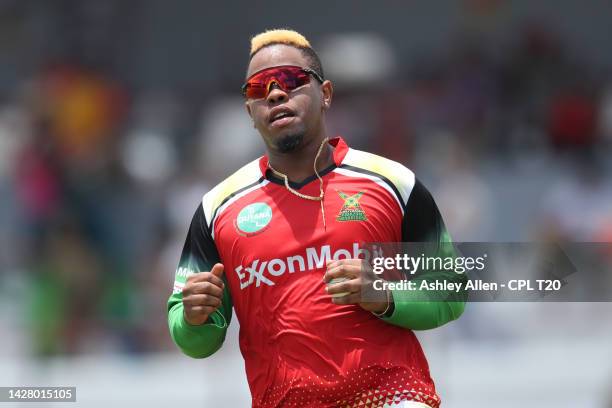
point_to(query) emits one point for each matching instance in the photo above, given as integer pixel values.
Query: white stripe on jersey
(229, 202)
(246, 176)
(402, 177)
(377, 180)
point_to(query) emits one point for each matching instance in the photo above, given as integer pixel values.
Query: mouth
(281, 116)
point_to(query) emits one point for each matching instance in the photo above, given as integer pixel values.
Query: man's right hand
(202, 295)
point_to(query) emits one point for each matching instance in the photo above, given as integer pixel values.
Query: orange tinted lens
(287, 77)
(255, 90)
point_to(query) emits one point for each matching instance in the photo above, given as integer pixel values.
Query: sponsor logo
(314, 258)
(180, 278)
(351, 210)
(253, 218)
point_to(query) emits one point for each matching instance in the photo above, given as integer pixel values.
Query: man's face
(303, 106)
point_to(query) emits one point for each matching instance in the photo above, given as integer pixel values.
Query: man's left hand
(358, 286)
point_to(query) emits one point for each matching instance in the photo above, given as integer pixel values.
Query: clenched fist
(202, 295)
(351, 281)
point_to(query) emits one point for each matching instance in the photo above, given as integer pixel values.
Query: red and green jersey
(300, 349)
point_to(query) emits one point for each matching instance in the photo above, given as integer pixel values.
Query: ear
(327, 92)
(248, 108)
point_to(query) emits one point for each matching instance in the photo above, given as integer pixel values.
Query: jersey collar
(341, 148)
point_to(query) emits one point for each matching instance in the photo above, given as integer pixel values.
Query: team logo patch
(351, 210)
(253, 218)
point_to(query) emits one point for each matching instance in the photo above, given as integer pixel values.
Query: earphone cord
(307, 197)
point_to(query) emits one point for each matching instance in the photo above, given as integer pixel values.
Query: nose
(275, 94)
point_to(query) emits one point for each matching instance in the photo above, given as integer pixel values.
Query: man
(280, 242)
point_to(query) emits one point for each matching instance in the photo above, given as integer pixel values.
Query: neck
(299, 165)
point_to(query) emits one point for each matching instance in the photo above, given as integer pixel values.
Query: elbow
(199, 354)
(456, 310)
(444, 313)
(196, 344)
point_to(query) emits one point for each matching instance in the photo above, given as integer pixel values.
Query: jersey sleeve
(426, 309)
(199, 255)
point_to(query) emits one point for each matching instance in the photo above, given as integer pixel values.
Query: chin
(289, 142)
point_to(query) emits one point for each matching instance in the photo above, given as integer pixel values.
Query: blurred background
(116, 116)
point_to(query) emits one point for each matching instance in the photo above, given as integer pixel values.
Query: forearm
(427, 309)
(197, 341)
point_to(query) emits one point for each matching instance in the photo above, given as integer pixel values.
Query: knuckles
(200, 300)
(199, 277)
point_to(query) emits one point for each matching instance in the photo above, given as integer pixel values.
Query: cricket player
(280, 240)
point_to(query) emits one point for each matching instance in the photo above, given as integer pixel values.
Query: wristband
(382, 314)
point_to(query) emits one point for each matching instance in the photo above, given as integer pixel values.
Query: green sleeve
(199, 341)
(423, 310)
(199, 254)
(427, 309)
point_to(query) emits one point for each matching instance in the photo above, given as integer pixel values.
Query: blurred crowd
(99, 181)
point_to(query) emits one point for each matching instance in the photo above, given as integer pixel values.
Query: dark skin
(308, 103)
(203, 291)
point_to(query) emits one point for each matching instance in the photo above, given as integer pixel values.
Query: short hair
(287, 37)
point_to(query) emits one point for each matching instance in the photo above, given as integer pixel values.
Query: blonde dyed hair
(278, 36)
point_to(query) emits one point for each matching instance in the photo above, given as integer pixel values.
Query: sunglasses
(287, 77)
